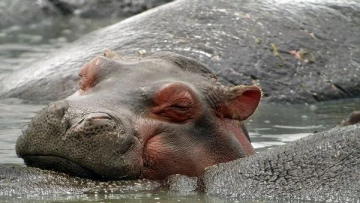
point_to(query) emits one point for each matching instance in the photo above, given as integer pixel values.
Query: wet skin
(141, 118)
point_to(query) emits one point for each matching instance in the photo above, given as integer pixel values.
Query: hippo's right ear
(239, 102)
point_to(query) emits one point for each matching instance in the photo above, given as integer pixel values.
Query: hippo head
(146, 117)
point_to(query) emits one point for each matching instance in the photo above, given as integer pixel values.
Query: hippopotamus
(298, 51)
(141, 117)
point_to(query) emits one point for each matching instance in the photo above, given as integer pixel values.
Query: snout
(80, 142)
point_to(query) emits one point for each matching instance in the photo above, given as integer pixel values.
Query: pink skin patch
(232, 126)
(164, 156)
(89, 74)
(241, 103)
(175, 102)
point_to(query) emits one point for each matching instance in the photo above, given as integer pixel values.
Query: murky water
(271, 126)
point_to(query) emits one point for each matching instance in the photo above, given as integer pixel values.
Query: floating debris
(142, 52)
(303, 55)
(111, 54)
(258, 40)
(276, 52)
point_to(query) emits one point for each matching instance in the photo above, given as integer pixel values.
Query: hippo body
(322, 167)
(298, 51)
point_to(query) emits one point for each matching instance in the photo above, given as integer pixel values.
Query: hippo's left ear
(239, 102)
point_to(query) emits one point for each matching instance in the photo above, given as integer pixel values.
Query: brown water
(271, 126)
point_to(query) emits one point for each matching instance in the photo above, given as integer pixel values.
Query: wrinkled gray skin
(242, 41)
(22, 12)
(323, 166)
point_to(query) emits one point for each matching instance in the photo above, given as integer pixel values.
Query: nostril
(94, 119)
(98, 116)
(94, 122)
(59, 108)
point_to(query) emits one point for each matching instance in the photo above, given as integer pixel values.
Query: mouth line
(60, 164)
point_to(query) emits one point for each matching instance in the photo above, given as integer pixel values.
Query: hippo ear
(239, 102)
